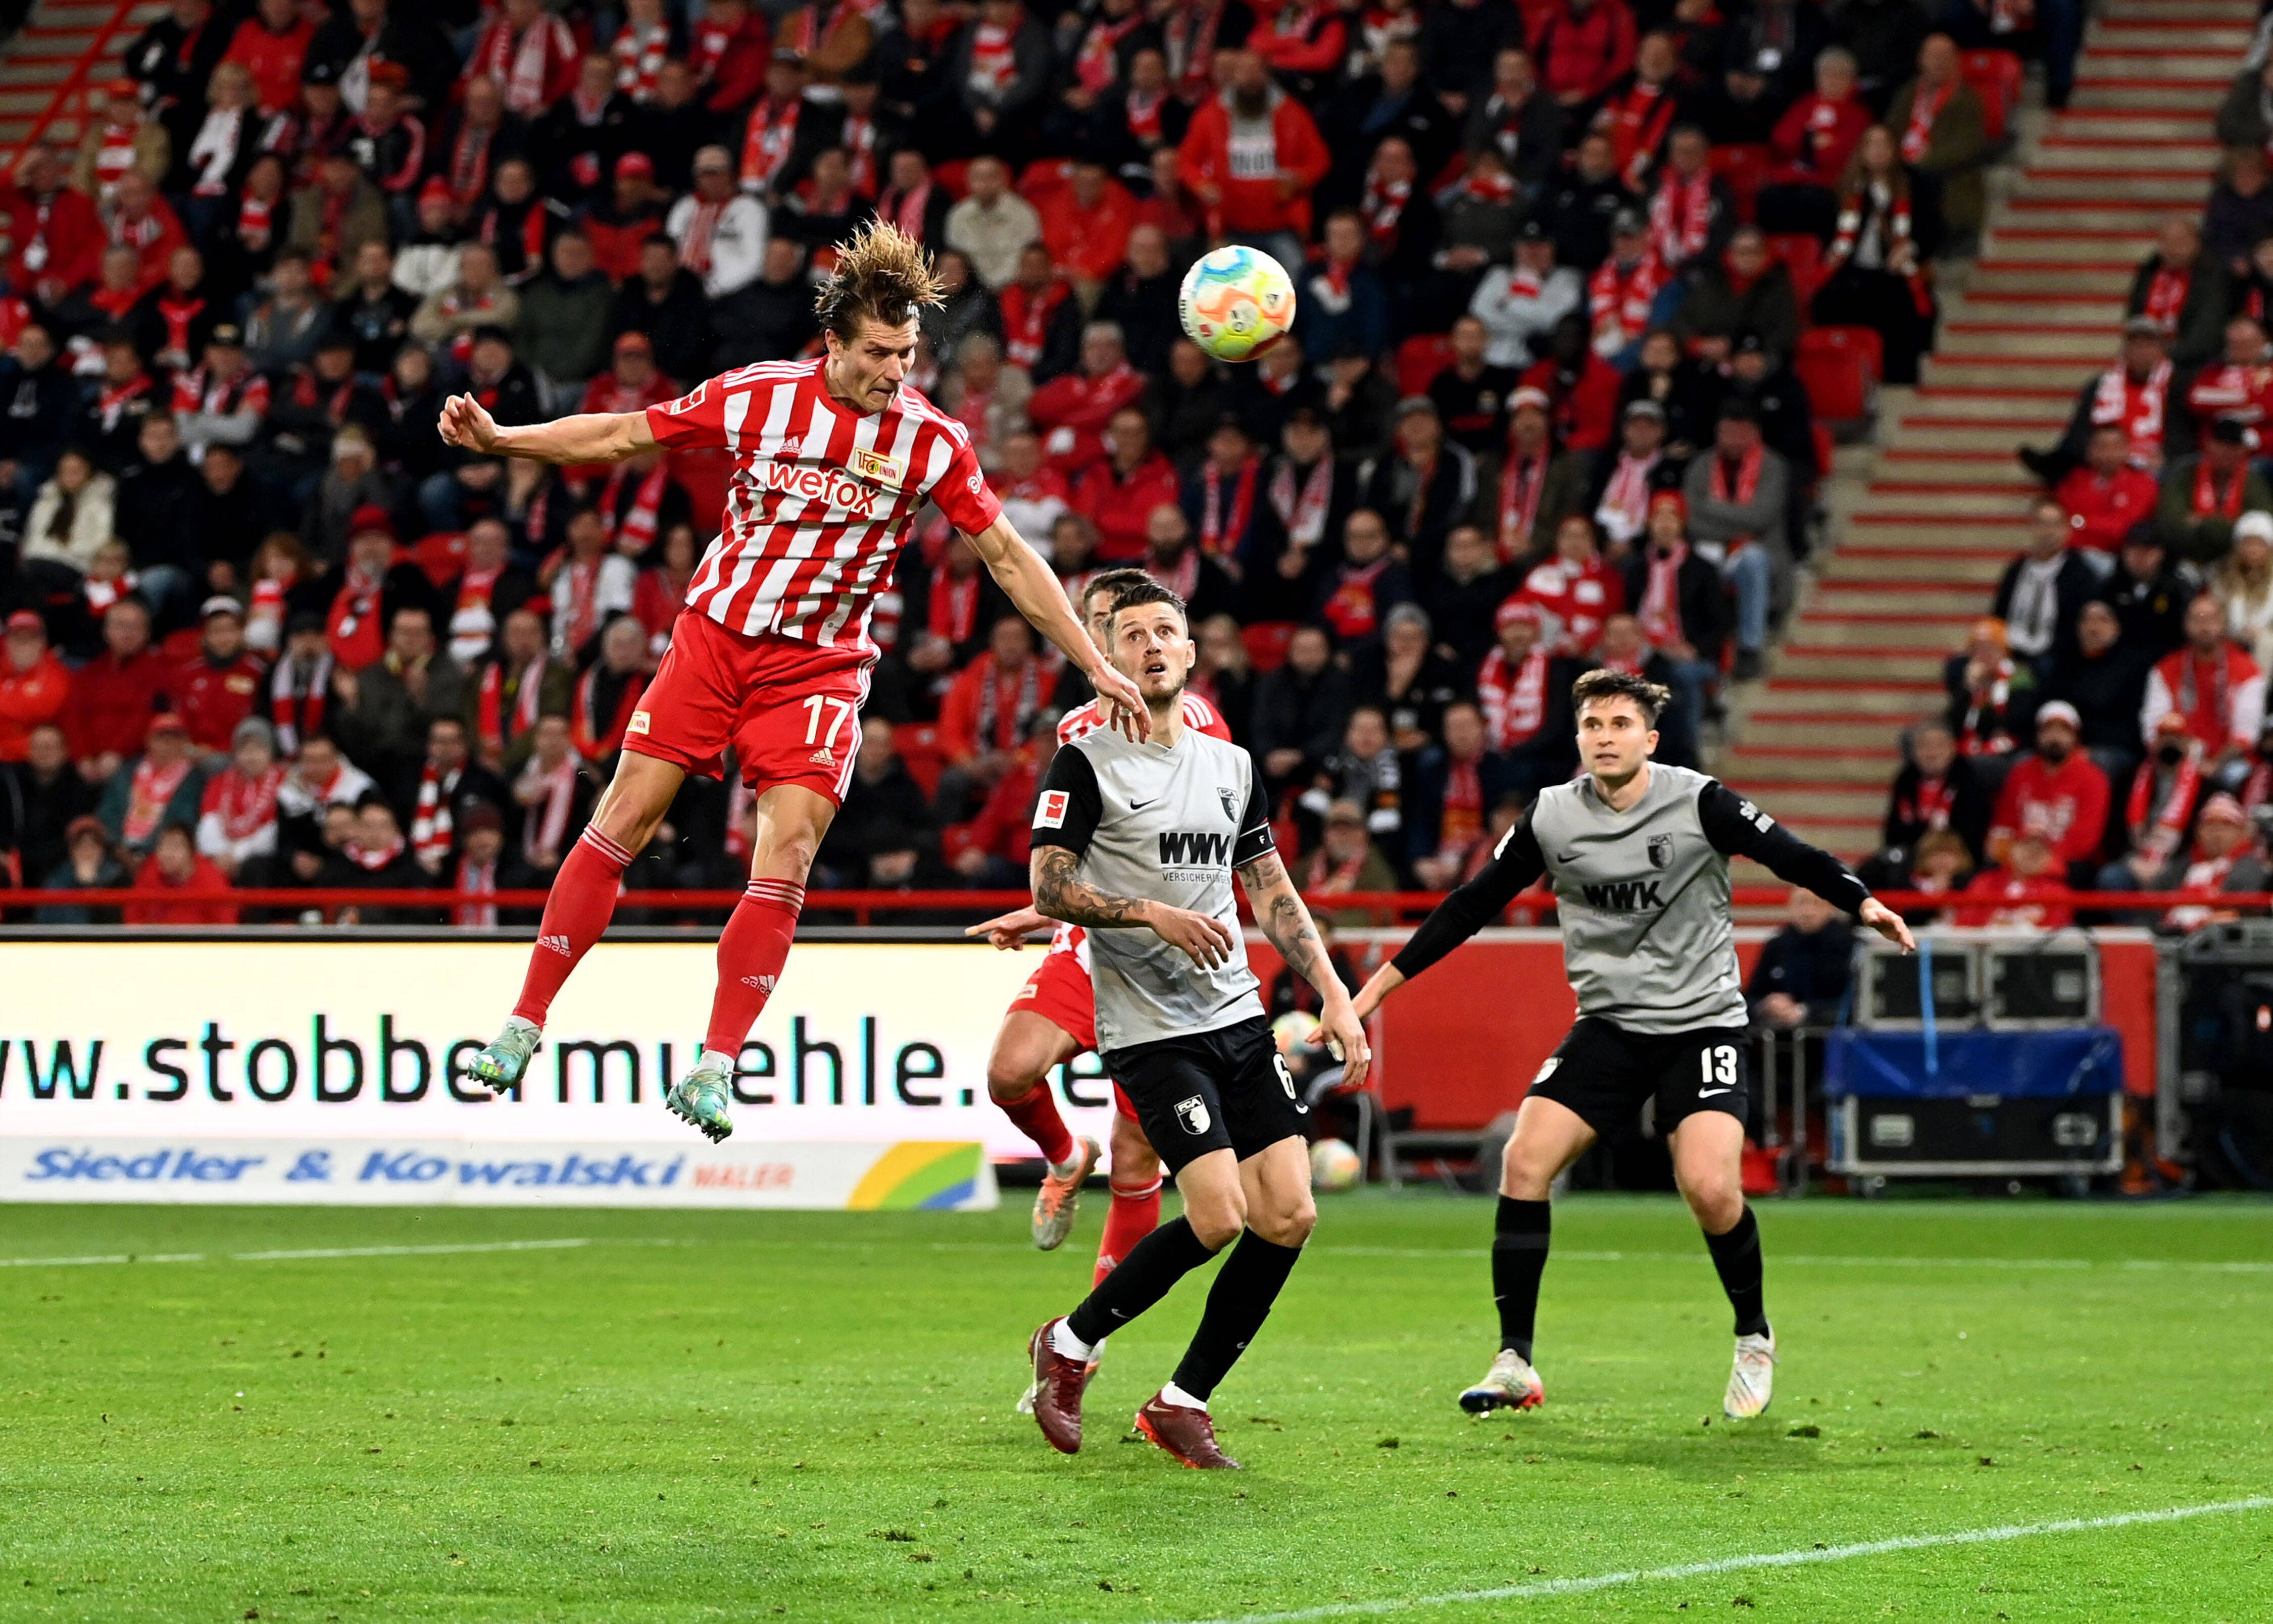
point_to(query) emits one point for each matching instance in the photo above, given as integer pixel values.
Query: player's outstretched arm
(588, 436)
(1286, 923)
(1738, 828)
(1008, 931)
(1061, 894)
(1514, 866)
(1023, 574)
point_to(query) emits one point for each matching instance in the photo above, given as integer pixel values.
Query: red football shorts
(790, 710)
(1059, 991)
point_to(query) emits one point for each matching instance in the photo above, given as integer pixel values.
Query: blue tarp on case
(2087, 1061)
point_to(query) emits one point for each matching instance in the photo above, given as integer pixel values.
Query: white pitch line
(278, 1257)
(1740, 1564)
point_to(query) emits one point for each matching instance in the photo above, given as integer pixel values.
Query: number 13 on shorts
(1717, 1063)
(839, 711)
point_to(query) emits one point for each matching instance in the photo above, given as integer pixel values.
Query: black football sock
(1736, 1255)
(1150, 1271)
(1238, 1303)
(1520, 1233)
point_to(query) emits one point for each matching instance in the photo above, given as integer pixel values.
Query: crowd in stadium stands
(1580, 282)
(2106, 728)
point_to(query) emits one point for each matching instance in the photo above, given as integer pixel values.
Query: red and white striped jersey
(1087, 719)
(820, 498)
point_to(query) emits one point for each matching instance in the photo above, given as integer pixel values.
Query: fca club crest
(1230, 800)
(1661, 851)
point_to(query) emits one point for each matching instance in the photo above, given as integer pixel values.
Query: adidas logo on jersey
(557, 944)
(763, 983)
(822, 757)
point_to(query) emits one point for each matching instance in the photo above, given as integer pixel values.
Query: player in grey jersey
(1137, 842)
(1639, 855)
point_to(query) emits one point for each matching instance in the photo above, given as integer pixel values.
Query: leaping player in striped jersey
(1054, 1018)
(833, 458)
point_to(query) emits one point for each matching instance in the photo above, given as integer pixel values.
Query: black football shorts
(1605, 1071)
(1228, 1089)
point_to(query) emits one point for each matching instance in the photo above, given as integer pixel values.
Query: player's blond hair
(881, 276)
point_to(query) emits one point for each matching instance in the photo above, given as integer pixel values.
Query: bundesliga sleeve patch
(1050, 811)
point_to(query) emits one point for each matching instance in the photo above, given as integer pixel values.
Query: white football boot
(1751, 1380)
(1510, 1384)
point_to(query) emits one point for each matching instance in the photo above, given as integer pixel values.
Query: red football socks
(576, 911)
(752, 950)
(1036, 1113)
(1133, 1215)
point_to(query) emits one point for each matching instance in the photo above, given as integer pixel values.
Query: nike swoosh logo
(1701, 1093)
(1141, 805)
(1566, 856)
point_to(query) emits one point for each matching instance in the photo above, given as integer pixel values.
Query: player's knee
(1287, 1224)
(1216, 1220)
(1524, 1175)
(1716, 1201)
(1008, 1082)
(1134, 1159)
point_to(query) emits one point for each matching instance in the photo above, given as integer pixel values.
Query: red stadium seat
(1419, 359)
(917, 743)
(1996, 77)
(1266, 642)
(955, 175)
(185, 644)
(1044, 176)
(1744, 165)
(1802, 258)
(441, 556)
(1841, 367)
(1826, 447)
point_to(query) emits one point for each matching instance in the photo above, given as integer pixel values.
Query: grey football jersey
(1648, 941)
(1165, 824)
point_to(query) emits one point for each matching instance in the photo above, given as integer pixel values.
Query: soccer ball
(1295, 1029)
(1334, 1166)
(1237, 303)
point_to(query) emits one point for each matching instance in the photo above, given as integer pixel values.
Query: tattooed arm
(1060, 894)
(1286, 923)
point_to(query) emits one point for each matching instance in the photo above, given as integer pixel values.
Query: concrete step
(1841, 802)
(2101, 247)
(2155, 31)
(1931, 434)
(2078, 124)
(31, 103)
(1946, 408)
(1871, 766)
(70, 43)
(1931, 508)
(1944, 633)
(2008, 306)
(2089, 153)
(1881, 569)
(1998, 471)
(2176, 98)
(1857, 699)
(1861, 596)
(1988, 533)
(2066, 373)
(2003, 333)
(1830, 728)
(1804, 664)
(2109, 185)
(2014, 273)
(2028, 213)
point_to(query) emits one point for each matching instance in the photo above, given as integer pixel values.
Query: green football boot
(501, 1065)
(702, 1096)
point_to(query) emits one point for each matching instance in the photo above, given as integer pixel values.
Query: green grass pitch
(680, 1416)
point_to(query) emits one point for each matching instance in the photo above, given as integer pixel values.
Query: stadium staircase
(64, 47)
(1942, 511)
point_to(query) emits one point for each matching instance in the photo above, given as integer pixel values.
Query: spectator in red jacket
(273, 45)
(1582, 48)
(53, 235)
(2107, 495)
(729, 51)
(1304, 42)
(35, 688)
(194, 891)
(1239, 202)
(1073, 410)
(2059, 793)
(115, 694)
(990, 711)
(2028, 891)
(1812, 142)
(1575, 589)
(1119, 492)
(219, 685)
(1085, 223)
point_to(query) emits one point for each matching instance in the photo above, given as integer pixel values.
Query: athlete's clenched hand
(1208, 940)
(1343, 1035)
(1009, 930)
(466, 425)
(1124, 708)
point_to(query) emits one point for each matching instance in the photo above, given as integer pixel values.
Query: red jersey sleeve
(961, 491)
(695, 421)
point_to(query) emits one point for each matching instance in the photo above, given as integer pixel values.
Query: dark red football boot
(1184, 1432)
(1058, 1384)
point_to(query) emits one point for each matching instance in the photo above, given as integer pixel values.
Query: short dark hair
(1150, 591)
(1113, 583)
(1649, 698)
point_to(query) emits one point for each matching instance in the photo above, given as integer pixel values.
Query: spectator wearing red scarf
(990, 710)
(1224, 500)
(2184, 289)
(1942, 128)
(1575, 589)
(2240, 384)
(728, 50)
(273, 45)
(1525, 694)
(2215, 691)
(2201, 495)
(160, 787)
(1581, 388)
(1812, 143)
(1029, 307)
(1639, 111)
